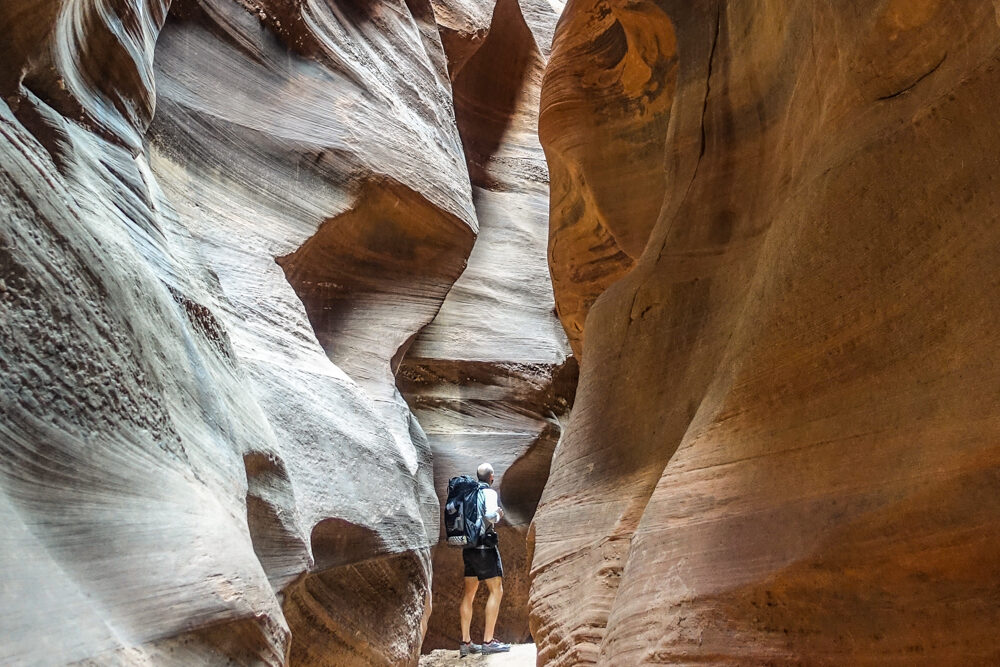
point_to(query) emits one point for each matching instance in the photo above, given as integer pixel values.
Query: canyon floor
(521, 655)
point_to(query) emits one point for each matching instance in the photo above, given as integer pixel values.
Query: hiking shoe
(467, 648)
(494, 647)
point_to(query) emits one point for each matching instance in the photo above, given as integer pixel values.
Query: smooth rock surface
(604, 109)
(205, 456)
(784, 445)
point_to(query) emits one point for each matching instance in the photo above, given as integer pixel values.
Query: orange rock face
(784, 445)
(605, 106)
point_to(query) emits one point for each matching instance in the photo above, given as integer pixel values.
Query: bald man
(482, 563)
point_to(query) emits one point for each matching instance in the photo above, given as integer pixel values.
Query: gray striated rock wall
(223, 226)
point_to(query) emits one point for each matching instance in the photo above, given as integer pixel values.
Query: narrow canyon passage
(712, 284)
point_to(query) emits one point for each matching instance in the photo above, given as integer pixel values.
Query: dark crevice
(45, 124)
(531, 389)
(704, 110)
(392, 247)
(484, 103)
(338, 542)
(524, 480)
(708, 88)
(918, 80)
(631, 306)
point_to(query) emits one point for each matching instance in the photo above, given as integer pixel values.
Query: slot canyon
(713, 284)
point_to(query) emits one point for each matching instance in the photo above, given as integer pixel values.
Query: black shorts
(482, 563)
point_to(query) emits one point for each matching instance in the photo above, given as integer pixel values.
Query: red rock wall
(784, 445)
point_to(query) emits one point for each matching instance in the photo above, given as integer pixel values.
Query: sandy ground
(520, 655)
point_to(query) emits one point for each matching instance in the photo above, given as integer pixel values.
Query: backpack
(463, 512)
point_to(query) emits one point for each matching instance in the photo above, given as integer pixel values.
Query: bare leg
(465, 610)
(492, 607)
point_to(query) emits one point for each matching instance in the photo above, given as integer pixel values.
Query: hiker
(482, 563)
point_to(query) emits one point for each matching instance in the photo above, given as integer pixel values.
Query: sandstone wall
(605, 105)
(228, 225)
(784, 445)
(204, 454)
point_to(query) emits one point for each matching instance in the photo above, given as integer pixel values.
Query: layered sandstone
(490, 378)
(226, 223)
(205, 456)
(784, 445)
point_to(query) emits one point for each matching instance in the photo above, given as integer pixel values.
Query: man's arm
(493, 510)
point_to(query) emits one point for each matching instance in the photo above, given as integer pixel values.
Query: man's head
(485, 473)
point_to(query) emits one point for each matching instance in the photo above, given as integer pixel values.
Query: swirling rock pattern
(784, 445)
(605, 105)
(205, 455)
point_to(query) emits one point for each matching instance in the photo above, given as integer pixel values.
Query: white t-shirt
(492, 505)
